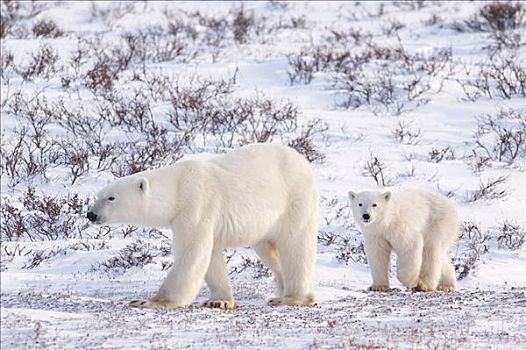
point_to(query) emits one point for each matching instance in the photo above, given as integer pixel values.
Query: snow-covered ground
(378, 94)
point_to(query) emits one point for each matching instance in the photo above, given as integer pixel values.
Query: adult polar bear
(419, 226)
(262, 195)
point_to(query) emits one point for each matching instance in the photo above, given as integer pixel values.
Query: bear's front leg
(217, 280)
(193, 250)
(378, 252)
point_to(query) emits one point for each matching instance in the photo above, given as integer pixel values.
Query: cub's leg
(268, 253)
(378, 252)
(217, 280)
(409, 263)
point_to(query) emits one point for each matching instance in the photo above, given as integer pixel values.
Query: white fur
(418, 226)
(261, 195)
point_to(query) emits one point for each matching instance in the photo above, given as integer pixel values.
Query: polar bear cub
(261, 195)
(418, 226)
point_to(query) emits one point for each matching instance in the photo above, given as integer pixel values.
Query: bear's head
(123, 201)
(370, 206)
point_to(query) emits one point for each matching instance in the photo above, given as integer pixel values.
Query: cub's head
(123, 201)
(369, 206)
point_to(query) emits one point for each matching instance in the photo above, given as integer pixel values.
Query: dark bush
(46, 29)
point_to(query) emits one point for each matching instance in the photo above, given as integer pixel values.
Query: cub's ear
(144, 185)
(351, 195)
(387, 196)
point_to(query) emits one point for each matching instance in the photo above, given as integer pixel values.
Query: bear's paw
(378, 288)
(293, 301)
(422, 286)
(446, 288)
(151, 304)
(221, 304)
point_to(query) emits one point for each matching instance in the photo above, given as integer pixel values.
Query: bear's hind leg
(448, 280)
(217, 280)
(431, 269)
(268, 253)
(297, 258)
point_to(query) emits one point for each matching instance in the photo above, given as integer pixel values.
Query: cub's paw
(446, 288)
(293, 301)
(151, 304)
(378, 288)
(221, 304)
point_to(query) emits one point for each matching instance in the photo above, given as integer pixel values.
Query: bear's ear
(387, 196)
(351, 195)
(144, 185)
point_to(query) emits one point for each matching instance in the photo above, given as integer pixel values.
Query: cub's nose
(364, 216)
(92, 216)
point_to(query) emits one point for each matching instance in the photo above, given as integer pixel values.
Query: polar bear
(261, 195)
(418, 226)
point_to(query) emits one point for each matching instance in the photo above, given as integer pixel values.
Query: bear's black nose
(92, 216)
(364, 216)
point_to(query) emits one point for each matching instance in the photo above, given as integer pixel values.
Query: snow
(70, 300)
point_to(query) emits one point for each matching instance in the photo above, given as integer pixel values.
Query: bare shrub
(156, 44)
(392, 27)
(6, 62)
(43, 217)
(502, 75)
(131, 112)
(24, 157)
(255, 265)
(74, 156)
(502, 20)
(301, 70)
(501, 137)
(89, 245)
(136, 254)
(13, 227)
(473, 243)
(490, 189)
(387, 79)
(511, 235)
(37, 257)
(334, 212)
(404, 134)
(29, 151)
(436, 155)
(304, 143)
(375, 168)
(157, 147)
(498, 16)
(351, 250)
(14, 15)
(43, 64)
(5, 25)
(340, 232)
(392, 80)
(241, 24)
(111, 11)
(101, 76)
(207, 109)
(47, 29)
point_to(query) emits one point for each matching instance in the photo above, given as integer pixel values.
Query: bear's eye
(360, 204)
(111, 198)
(374, 205)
